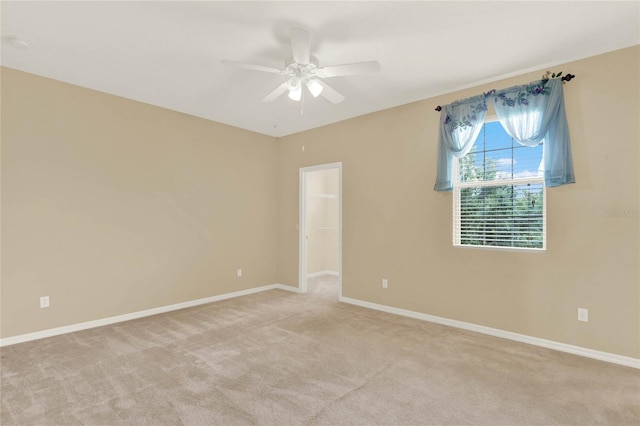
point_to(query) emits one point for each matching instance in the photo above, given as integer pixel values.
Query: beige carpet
(279, 358)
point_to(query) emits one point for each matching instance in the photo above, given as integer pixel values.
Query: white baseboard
(135, 315)
(549, 344)
(286, 287)
(320, 273)
(563, 347)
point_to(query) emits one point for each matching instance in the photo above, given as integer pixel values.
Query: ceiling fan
(303, 71)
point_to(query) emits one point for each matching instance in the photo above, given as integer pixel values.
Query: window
(499, 193)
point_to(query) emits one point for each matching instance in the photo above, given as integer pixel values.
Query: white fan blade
(330, 93)
(249, 66)
(300, 45)
(369, 67)
(279, 91)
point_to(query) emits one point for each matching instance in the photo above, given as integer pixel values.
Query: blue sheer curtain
(460, 124)
(534, 113)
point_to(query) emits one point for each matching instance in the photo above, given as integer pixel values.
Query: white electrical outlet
(583, 314)
(44, 302)
(385, 283)
(239, 272)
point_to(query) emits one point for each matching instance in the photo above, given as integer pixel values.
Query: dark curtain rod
(567, 77)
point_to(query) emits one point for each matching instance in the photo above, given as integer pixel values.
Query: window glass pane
(496, 156)
(498, 164)
(495, 136)
(526, 162)
(470, 167)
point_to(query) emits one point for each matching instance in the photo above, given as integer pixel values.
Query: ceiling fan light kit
(315, 88)
(303, 70)
(295, 89)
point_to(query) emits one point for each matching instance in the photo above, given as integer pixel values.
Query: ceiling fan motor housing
(301, 73)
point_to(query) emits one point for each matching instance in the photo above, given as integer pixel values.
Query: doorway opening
(320, 248)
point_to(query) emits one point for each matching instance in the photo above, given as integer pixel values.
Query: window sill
(498, 248)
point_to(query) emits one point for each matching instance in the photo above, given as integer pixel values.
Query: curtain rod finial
(438, 108)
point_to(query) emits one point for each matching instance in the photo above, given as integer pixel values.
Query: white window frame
(458, 186)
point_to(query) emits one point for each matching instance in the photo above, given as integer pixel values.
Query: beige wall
(396, 227)
(111, 206)
(322, 221)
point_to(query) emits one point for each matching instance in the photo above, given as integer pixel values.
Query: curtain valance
(530, 113)
(460, 124)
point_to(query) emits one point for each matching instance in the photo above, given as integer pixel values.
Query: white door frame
(302, 220)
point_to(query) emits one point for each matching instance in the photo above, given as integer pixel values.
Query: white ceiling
(168, 53)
